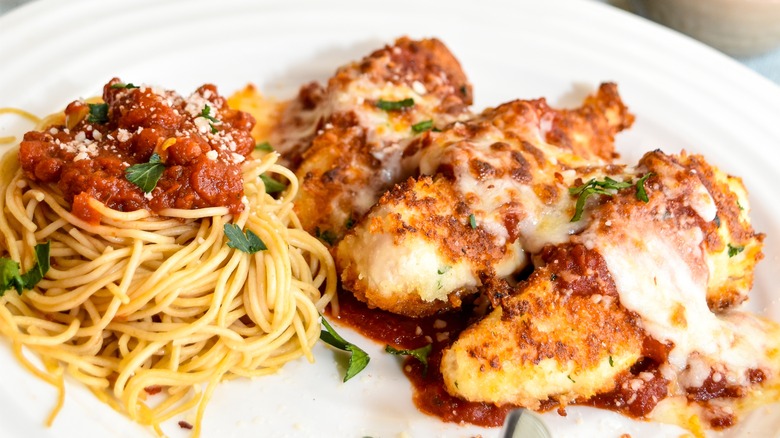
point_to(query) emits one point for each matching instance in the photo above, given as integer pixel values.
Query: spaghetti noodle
(142, 302)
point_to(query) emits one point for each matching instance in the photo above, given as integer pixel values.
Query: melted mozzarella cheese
(541, 222)
(662, 277)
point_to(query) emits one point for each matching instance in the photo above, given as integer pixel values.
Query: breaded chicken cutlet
(345, 140)
(493, 189)
(636, 270)
(632, 305)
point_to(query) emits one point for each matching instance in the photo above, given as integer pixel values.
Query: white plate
(685, 96)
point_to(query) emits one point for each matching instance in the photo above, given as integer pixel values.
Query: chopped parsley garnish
(734, 250)
(326, 236)
(358, 359)
(606, 187)
(641, 194)
(473, 221)
(249, 243)
(272, 185)
(125, 86)
(572, 380)
(11, 278)
(611, 362)
(98, 113)
(264, 146)
(420, 354)
(146, 175)
(444, 270)
(389, 105)
(422, 126)
(206, 114)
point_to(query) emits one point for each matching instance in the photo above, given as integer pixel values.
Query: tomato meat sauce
(199, 142)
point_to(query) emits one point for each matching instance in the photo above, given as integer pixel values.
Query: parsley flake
(206, 114)
(326, 236)
(389, 105)
(127, 86)
(272, 185)
(11, 278)
(607, 187)
(98, 113)
(358, 359)
(249, 243)
(146, 175)
(422, 126)
(611, 362)
(264, 146)
(734, 250)
(420, 354)
(641, 194)
(473, 221)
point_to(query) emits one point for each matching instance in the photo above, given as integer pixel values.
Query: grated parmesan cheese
(202, 124)
(122, 135)
(419, 88)
(237, 158)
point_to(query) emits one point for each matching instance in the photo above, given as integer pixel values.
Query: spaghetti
(139, 302)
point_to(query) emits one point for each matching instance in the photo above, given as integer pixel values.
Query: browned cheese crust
(732, 278)
(730, 243)
(561, 335)
(484, 169)
(345, 149)
(565, 335)
(431, 208)
(591, 128)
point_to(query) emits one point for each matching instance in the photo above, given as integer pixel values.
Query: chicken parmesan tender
(584, 280)
(500, 191)
(345, 140)
(639, 275)
(557, 339)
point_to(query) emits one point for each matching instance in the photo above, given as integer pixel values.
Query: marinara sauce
(440, 331)
(636, 392)
(200, 142)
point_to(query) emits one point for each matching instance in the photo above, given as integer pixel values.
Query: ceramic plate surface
(685, 96)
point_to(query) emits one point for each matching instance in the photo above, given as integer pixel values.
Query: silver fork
(522, 423)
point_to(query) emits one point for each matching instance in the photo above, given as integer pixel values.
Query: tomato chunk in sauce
(200, 141)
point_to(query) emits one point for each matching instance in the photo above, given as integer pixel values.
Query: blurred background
(747, 30)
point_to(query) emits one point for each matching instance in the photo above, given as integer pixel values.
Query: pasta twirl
(141, 303)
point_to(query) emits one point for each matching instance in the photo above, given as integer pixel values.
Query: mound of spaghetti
(148, 254)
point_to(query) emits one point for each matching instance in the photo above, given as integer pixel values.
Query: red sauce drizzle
(399, 331)
(431, 397)
(635, 399)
